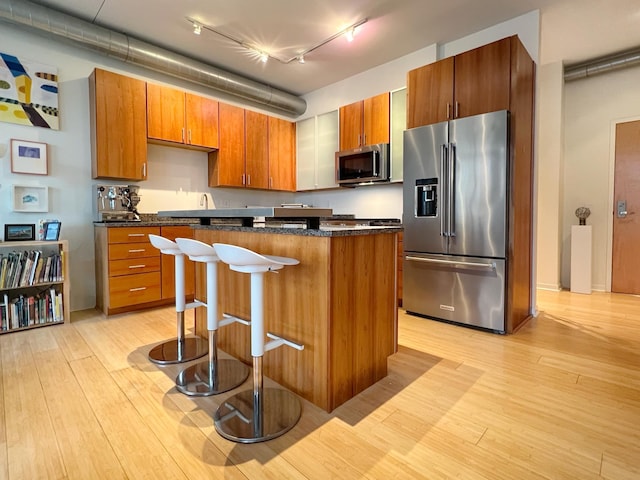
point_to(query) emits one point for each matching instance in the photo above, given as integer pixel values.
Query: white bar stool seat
(215, 375)
(260, 414)
(180, 349)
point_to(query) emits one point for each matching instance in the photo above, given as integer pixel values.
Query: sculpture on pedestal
(582, 213)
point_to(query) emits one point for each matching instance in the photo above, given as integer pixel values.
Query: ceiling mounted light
(349, 32)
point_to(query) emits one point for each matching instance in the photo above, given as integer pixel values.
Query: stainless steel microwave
(363, 165)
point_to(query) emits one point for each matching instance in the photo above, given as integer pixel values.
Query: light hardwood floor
(560, 399)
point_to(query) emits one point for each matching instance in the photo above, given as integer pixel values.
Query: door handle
(621, 209)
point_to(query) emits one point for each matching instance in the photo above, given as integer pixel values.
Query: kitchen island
(340, 302)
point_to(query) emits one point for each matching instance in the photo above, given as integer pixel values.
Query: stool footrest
(228, 319)
(277, 341)
(194, 304)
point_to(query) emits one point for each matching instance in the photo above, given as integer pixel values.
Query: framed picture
(19, 232)
(52, 231)
(30, 198)
(29, 157)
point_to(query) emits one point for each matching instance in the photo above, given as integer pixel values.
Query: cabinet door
(226, 166)
(376, 120)
(257, 149)
(282, 154)
(351, 126)
(328, 142)
(306, 154)
(201, 121)
(118, 126)
(169, 266)
(482, 79)
(165, 113)
(430, 93)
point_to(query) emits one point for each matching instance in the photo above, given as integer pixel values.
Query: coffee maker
(117, 203)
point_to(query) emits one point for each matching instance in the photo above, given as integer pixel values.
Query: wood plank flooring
(560, 399)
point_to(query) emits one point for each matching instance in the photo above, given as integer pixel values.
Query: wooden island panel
(339, 302)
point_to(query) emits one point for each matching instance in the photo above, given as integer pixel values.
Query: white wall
(592, 107)
(176, 178)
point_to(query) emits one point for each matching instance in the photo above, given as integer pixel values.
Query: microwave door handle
(376, 160)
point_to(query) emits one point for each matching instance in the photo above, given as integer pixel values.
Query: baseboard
(549, 286)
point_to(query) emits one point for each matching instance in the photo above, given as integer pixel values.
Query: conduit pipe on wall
(602, 65)
(132, 50)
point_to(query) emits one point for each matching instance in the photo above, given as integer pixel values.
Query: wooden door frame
(612, 171)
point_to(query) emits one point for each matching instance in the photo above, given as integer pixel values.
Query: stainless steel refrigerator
(455, 203)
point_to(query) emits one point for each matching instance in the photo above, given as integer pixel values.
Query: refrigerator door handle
(444, 176)
(451, 171)
(490, 266)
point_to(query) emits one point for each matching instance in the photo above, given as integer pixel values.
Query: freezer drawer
(464, 290)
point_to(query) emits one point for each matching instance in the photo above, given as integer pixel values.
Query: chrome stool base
(179, 352)
(200, 380)
(239, 419)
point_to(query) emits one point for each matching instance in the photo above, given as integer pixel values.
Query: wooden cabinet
(365, 122)
(168, 266)
(256, 151)
(179, 117)
(400, 269)
(474, 82)
(34, 285)
(282, 155)
(118, 117)
(128, 268)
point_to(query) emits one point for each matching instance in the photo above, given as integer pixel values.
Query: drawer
(132, 266)
(131, 234)
(134, 289)
(122, 251)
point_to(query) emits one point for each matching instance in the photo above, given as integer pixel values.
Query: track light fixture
(349, 32)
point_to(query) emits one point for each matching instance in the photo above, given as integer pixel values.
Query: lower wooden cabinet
(132, 274)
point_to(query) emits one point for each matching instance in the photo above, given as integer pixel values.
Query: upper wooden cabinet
(365, 122)
(474, 82)
(118, 126)
(282, 154)
(180, 117)
(256, 151)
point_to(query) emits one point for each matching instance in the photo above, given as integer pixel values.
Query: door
(626, 199)
(282, 155)
(375, 119)
(165, 113)
(430, 93)
(423, 199)
(478, 152)
(351, 126)
(257, 149)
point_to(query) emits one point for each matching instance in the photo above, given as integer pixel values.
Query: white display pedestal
(581, 258)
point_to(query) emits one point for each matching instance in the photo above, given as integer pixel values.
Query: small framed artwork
(52, 231)
(29, 157)
(30, 198)
(19, 232)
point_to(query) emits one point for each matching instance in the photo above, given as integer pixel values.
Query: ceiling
(572, 30)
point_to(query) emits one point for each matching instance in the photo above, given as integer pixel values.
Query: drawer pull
(137, 266)
(137, 289)
(136, 234)
(137, 250)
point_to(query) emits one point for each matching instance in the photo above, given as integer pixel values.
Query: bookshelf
(34, 285)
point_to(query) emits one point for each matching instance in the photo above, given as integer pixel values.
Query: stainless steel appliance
(455, 203)
(117, 203)
(363, 165)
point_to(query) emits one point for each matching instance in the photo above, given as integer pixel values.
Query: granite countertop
(324, 231)
(150, 220)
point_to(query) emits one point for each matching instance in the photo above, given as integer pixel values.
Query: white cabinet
(398, 126)
(317, 141)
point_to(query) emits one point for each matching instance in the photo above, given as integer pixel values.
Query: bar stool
(215, 375)
(180, 349)
(260, 414)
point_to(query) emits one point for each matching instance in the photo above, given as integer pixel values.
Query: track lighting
(349, 33)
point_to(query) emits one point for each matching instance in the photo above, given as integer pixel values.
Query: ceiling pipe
(600, 65)
(138, 52)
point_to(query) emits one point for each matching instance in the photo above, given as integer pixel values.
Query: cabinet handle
(135, 235)
(137, 250)
(457, 113)
(137, 266)
(190, 141)
(248, 179)
(270, 182)
(359, 138)
(144, 170)
(364, 139)
(182, 134)
(137, 289)
(243, 179)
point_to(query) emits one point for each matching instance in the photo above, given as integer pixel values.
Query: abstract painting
(28, 92)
